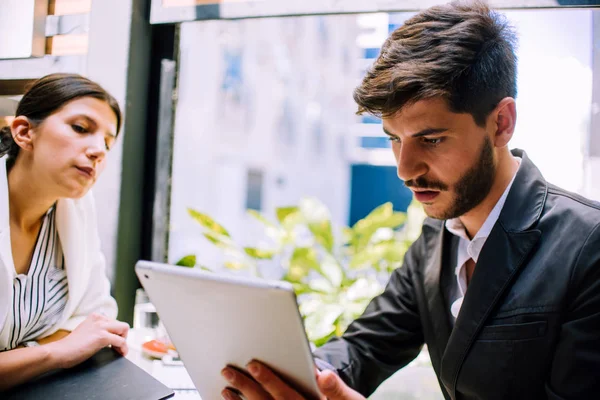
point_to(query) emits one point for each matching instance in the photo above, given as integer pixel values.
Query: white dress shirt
(471, 248)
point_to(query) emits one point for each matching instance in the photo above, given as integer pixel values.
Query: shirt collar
(456, 227)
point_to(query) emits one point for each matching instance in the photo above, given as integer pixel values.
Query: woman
(55, 307)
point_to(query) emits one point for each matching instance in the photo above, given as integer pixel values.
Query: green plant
(334, 274)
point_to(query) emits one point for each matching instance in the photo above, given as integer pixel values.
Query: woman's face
(68, 149)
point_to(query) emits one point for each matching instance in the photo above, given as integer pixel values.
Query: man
(503, 284)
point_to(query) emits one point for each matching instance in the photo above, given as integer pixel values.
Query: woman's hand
(93, 334)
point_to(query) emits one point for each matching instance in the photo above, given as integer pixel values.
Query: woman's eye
(78, 128)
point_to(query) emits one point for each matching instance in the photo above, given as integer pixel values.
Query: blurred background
(238, 105)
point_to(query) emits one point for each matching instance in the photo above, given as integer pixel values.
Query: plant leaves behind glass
(208, 222)
(320, 324)
(259, 254)
(187, 261)
(334, 279)
(257, 215)
(235, 265)
(332, 270)
(302, 261)
(221, 241)
(323, 235)
(381, 217)
(284, 212)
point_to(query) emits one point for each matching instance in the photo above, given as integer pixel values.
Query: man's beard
(470, 190)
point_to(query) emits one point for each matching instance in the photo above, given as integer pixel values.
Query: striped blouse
(40, 297)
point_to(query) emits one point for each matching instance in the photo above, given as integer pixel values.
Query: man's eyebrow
(424, 132)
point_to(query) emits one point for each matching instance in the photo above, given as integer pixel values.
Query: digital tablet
(217, 320)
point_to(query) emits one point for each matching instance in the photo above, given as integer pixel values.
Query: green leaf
(208, 222)
(323, 234)
(302, 261)
(314, 210)
(223, 242)
(321, 323)
(332, 271)
(347, 235)
(321, 285)
(367, 257)
(381, 217)
(258, 216)
(283, 212)
(259, 254)
(187, 261)
(235, 265)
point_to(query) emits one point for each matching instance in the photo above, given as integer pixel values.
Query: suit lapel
(500, 260)
(435, 301)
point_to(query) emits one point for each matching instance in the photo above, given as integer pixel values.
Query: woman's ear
(505, 119)
(22, 132)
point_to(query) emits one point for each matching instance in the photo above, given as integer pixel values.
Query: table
(174, 377)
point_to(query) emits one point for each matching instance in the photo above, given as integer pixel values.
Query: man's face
(445, 158)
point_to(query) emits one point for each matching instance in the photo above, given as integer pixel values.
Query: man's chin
(437, 211)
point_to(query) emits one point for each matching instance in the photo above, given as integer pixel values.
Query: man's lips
(425, 196)
(89, 171)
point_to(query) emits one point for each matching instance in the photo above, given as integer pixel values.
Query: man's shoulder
(579, 210)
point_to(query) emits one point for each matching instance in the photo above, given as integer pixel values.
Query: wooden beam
(67, 7)
(61, 45)
(14, 87)
(6, 120)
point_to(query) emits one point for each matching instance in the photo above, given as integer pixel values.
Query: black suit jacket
(529, 326)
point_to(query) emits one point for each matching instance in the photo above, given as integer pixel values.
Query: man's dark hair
(463, 52)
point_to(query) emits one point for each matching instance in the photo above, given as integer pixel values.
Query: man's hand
(264, 384)
(96, 332)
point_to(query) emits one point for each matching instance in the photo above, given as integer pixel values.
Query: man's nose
(409, 163)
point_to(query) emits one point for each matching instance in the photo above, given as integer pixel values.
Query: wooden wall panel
(61, 45)
(67, 7)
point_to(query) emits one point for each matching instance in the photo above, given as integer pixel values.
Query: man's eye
(78, 128)
(394, 139)
(433, 141)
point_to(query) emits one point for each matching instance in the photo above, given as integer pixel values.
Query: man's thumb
(334, 388)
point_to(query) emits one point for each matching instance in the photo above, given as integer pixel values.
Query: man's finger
(334, 388)
(249, 388)
(229, 394)
(271, 382)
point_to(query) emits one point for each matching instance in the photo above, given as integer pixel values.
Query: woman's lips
(86, 171)
(426, 196)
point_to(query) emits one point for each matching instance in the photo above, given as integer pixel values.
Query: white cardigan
(89, 288)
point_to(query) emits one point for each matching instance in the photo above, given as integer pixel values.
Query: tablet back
(216, 320)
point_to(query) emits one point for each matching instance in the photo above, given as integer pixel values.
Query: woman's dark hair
(462, 52)
(46, 96)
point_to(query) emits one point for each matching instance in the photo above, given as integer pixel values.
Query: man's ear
(504, 121)
(22, 132)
